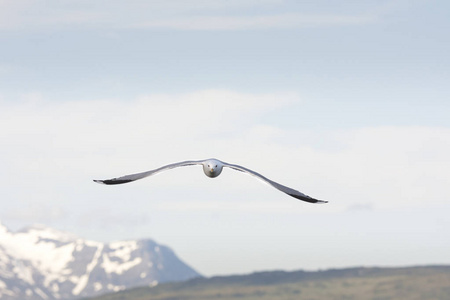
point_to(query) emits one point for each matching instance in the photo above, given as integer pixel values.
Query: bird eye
(208, 166)
(216, 166)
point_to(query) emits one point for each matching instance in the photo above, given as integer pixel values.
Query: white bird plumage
(212, 168)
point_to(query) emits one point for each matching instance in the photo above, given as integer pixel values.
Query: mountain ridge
(39, 262)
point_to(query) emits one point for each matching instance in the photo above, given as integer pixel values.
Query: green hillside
(413, 283)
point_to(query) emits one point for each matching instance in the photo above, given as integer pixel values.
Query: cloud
(278, 21)
(173, 15)
(50, 152)
(43, 138)
(392, 166)
(32, 15)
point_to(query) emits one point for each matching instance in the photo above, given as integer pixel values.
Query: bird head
(212, 168)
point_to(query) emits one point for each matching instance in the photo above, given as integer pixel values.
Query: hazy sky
(347, 101)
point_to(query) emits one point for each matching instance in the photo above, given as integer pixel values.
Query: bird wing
(133, 177)
(291, 192)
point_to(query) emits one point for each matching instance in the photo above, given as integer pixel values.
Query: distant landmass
(39, 262)
(409, 283)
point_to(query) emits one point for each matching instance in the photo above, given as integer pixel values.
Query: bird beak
(212, 170)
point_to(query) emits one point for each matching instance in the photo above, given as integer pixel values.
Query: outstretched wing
(133, 177)
(284, 189)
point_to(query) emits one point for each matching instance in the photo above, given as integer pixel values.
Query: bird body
(212, 168)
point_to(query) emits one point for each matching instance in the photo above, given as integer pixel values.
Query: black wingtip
(308, 199)
(112, 181)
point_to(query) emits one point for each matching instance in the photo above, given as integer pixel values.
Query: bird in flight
(212, 168)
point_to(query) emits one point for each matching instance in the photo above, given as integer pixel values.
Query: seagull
(212, 168)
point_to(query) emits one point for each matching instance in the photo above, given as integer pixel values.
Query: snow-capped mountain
(43, 263)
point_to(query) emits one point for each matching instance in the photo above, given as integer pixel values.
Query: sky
(346, 101)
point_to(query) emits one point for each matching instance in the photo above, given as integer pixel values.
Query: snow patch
(79, 247)
(23, 272)
(4, 259)
(83, 280)
(74, 279)
(153, 283)
(123, 250)
(116, 288)
(3, 228)
(49, 233)
(117, 267)
(40, 293)
(38, 245)
(6, 292)
(97, 286)
(92, 243)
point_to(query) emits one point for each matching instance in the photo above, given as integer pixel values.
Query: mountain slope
(43, 263)
(413, 283)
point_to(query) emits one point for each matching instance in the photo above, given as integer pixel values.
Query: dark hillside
(413, 283)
